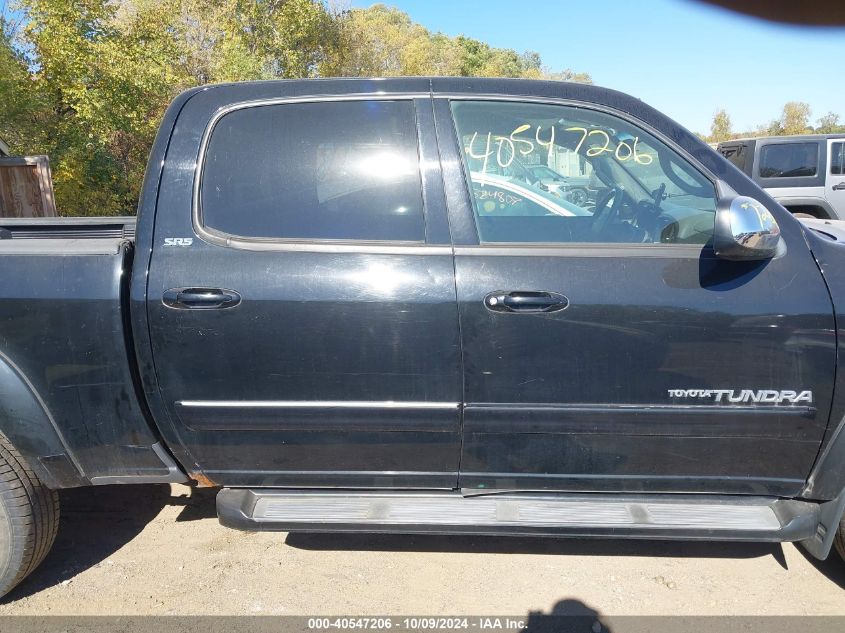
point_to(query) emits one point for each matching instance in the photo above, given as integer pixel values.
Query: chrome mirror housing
(745, 230)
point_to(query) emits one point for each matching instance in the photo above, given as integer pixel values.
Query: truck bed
(81, 228)
(66, 354)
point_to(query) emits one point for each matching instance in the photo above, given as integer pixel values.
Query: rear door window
(789, 160)
(335, 170)
(837, 159)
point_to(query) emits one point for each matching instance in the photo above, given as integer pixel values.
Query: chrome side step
(542, 514)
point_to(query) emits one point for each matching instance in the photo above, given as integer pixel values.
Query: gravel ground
(139, 550)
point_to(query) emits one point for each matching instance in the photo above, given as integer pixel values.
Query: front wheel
(29, 518)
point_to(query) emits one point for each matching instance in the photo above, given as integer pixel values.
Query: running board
(541, 514)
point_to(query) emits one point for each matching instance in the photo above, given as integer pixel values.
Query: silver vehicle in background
(806, 174)
(507, 195)
(575, 189)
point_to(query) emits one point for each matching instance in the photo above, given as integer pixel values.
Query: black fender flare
(827, 482)
(27, 423)
(797, 201)
(830, 515)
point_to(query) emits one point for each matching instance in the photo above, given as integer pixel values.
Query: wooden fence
(26, 188)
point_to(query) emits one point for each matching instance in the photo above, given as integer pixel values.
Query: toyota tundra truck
(334, 309)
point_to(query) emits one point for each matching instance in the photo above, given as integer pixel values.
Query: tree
(479, 59)
(87, 81)
(773, 128)
(102, 87)
(829, 124)
(274, 39)
(567, 75)
(102, 72)
(18, 105)
(795, 118)
(720, 128)
(384, 41)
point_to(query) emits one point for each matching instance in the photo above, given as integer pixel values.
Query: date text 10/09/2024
(422, 623)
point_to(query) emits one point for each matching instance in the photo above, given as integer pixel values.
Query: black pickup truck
(344, 308)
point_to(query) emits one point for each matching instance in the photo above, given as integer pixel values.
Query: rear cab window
(314, 171)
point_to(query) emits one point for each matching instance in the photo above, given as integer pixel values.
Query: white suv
(806, 174)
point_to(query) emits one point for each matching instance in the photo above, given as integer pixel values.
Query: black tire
(808, 212)
(29, 518)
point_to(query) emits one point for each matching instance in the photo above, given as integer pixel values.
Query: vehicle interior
(644, 191)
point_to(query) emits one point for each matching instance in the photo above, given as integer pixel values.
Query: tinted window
(837, 158)
(618, 183)
(789, 160)
(506, 196)
(334, 170)
(541, 171)
(736, 154)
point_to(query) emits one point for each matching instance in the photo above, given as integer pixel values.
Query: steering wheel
(605, 212)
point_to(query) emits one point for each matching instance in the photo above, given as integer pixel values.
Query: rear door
(605, 347)
(302, 301)
(835, 189)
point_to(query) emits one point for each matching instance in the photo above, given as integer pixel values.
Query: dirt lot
(160, 550)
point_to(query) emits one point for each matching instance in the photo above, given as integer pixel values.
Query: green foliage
(380, 41)
(829, 124)
(720, 129)
(97, 86)
(87, 81)
(384, 41)
(794, 119)
(21, 108)
(478, 59)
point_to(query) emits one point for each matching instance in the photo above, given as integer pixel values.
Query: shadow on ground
(535, 545)
(567, 616)
(97, 521)
(833, 567)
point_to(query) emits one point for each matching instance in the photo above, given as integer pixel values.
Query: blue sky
(684, 58)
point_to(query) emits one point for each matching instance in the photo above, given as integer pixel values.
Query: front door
(306, 333)
(605, 347)
(835, 185)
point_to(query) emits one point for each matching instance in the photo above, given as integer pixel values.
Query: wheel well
(808, 210)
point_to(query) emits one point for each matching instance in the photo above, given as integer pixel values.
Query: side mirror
(745, 230)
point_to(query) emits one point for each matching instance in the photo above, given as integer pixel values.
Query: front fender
(27, 423)
(827, 478)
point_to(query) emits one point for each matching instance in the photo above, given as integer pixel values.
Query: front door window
(553, 173)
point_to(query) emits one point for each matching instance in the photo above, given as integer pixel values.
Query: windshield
(541, 171)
